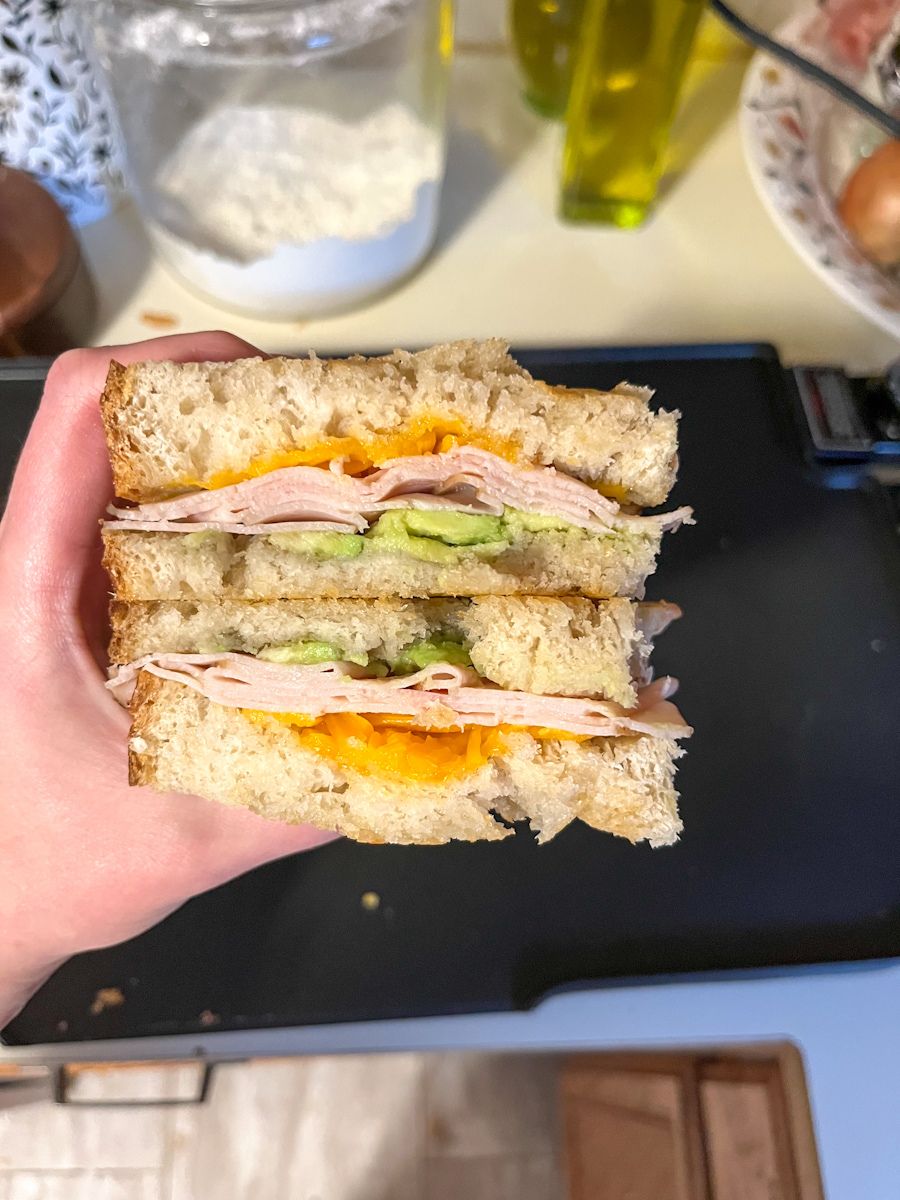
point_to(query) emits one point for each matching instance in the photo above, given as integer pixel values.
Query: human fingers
(63, 483)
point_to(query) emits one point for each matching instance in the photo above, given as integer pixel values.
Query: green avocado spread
(440, 648)
(437, 537)
(307, 654)
(320, 545)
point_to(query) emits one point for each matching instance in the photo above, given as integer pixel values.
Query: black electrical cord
(811, 70)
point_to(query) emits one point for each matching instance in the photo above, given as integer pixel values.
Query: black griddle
(789, 660)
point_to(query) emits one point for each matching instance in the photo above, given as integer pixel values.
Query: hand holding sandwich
(86, 862)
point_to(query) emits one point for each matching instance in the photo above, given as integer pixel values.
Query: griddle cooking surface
(788, 660)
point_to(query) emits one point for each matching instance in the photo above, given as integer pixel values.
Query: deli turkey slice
(465, 478)
(439, 695)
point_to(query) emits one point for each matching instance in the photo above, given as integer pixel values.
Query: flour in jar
(270, 207)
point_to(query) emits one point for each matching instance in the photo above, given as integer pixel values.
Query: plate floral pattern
(54, 118)
(783, 122)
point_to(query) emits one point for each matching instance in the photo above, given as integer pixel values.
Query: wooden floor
(723, 1126)
(418, 1127)
(397, 1127)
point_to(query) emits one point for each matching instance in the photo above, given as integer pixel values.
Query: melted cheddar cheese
(425, 435)
(387, 747)
(612, 491)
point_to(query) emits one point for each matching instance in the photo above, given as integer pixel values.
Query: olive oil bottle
(545, 36)
(627, 75)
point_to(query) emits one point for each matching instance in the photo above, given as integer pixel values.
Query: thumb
(49, 534)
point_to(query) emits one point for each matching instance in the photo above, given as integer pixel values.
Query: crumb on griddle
(110, 997)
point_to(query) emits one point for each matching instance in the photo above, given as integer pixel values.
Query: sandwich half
(450, 472)
(406, 721)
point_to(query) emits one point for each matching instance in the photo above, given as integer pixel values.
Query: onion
(870, 205)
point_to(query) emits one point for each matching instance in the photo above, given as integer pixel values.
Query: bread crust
(114, 401)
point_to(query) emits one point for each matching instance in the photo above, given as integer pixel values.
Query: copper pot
(47, 301)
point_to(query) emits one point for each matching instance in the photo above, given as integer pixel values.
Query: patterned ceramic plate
(795, 137)
(54, 120)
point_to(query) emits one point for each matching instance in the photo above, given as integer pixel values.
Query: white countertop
(709, 267)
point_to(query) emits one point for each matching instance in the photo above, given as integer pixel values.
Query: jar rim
(240, 6)
(248, 29)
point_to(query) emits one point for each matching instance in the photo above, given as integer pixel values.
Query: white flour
(285, 211)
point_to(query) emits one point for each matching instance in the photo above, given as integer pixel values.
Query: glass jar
(286, 155)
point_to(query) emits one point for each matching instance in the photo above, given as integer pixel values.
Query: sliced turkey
(302, 494)
(236, 527)
(439, 696)
(651, 619)
(464, 479)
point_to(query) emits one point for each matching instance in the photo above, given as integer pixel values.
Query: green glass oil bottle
(627, 74)
(545, 35)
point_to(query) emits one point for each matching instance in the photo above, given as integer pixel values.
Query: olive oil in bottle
(627, 74)
(545, 36)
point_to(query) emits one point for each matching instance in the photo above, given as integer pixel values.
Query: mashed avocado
(320, 545)
(441, 648)
(206, 537)
(442, 536)
(307, 654)
(421, 654)
(434, 536)
(451, 528)
(437, 537)
(516, 522)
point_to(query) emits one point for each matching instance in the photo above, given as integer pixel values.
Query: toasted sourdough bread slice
(171, 426)
(182, 742)
(174, 566)
(570, 647)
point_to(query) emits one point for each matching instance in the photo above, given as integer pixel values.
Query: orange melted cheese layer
(425, 435)
(387, 747)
